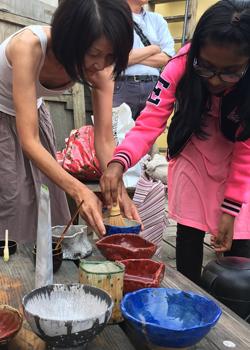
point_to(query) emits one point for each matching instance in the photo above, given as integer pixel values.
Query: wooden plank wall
(68, 110)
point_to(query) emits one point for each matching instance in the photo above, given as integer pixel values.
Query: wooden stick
(68, 225)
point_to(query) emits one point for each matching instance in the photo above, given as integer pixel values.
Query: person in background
(153, 47)
(208, 138)
(82, 45)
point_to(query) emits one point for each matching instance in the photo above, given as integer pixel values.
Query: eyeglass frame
(218, 73)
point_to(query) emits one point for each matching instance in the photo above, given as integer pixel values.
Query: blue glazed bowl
(131, 226)
(170, 317)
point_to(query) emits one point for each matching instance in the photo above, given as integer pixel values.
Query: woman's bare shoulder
(25, 43)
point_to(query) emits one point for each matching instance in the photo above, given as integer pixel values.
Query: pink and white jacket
(152, 122)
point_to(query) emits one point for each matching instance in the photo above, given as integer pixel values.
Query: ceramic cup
(107, 275)
(57, 256)
(11, 244)
(75, 244)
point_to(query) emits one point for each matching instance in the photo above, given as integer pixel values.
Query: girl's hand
(111, 183)
(91, 210)
(223, 241)
(128, 207)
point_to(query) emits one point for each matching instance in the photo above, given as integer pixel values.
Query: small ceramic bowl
(75, 244)
(142, 273)
(170, 318)
(10, 323)
(57, 256)
(126, 246)
(11, 244)
(131, 226)
(67, 315)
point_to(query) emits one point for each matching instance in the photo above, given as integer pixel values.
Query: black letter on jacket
(157, 90)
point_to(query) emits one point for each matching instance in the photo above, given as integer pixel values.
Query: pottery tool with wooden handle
(6, 254)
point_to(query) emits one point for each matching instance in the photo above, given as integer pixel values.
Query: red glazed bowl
(142, 273)
(126, 246)
(10, 323)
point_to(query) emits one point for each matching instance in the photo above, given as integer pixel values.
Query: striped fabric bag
(150, 200)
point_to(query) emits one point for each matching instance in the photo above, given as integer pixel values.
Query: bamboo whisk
(115, 217)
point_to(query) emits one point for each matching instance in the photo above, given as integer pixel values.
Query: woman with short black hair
(82, 45)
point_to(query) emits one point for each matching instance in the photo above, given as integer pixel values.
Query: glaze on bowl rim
(11, 243)
(117, 263)
(67, 236)
(33, 291)
(104, 241)
(190, 293)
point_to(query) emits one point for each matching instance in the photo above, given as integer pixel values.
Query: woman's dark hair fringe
(76, 24)
(216, 26)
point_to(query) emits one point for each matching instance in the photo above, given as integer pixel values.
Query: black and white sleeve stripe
(122, 158)
(231, 207)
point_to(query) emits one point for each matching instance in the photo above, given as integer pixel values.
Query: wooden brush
(6, 254)
(115, 218)
(68, 225)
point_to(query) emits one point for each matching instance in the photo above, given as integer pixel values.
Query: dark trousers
(133, 93)
(189, 251)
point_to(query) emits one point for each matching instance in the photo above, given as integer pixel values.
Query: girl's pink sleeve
(152, 120)
(238, 183)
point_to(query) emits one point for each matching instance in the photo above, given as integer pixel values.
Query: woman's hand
(91, 210)
(111, 183)
(223, 241)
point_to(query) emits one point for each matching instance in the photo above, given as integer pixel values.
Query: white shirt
(156, 30)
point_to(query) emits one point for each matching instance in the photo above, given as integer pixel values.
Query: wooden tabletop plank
(17, 278)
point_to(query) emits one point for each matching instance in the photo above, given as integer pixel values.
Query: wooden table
(17, 278)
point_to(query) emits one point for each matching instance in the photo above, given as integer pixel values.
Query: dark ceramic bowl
(10, 323)
(170, 318)
(142, 273)
(126, 246)
(67, 315)
(131, 226)
(57, 256)
(11, 244)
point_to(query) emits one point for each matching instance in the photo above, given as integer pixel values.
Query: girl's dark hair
(76, 24)
(226, 23)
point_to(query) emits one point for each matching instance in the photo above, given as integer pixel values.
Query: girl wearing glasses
(208, 82)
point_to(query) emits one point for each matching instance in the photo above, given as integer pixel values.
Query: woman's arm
(25, 55)
(102, 99)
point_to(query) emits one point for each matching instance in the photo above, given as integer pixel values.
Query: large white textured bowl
(67, 316)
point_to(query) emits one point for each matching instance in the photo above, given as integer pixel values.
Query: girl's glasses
(225, 77)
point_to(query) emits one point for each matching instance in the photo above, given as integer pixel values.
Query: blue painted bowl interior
(170, 317)
(131, 226)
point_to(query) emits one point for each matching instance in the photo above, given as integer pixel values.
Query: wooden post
(79, 105)
(192, 19)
